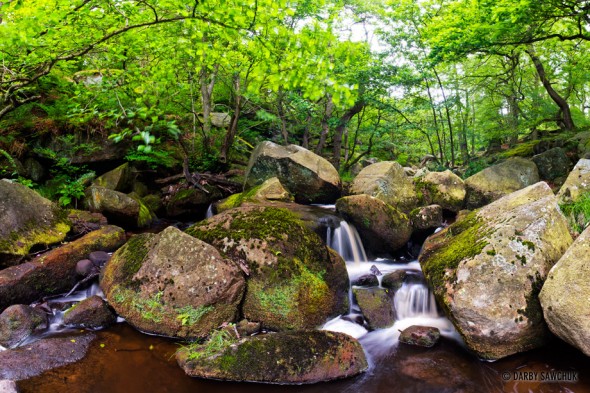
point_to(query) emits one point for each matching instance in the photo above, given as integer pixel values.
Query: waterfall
(209, 213)
(415, 300)
(346, 241)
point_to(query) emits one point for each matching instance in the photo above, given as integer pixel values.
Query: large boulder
(382, 228)
(284, 358)
(488, 268)
(92, 312)
(441, 188)
(309, 177)
(122, 209)
(119, 179)
(27, 219)
(191, 202)
(295, 282)
(553, 164)
(270, 190)
(55, 271)
(576, 184)
(376, 304)
(18, 322)
(172, 284)
(565, 295)
(498, 180)
(386, 181)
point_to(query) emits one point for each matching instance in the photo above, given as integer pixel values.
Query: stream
(124, 360)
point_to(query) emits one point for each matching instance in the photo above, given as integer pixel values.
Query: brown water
(122, 360)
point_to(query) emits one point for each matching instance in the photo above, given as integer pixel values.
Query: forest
(203, 83)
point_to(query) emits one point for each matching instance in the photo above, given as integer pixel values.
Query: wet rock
(33, 359)
(553, 164)
(270, 190)
(441, 188)
(582, 139)
(84, 221)
(85, 267)
(393, 280)
(55, 271)
(576, 184)
(7, 386)
(376, 304)
(382, 227)
(499, 180)
(191, 202)
(247, 328)
(422, 336)
(367, 280)
(295, 282)
(26, 220)
(18, 322)
(307, 176)
(119, 179)
(426, 217)
(284, 358)
(99, 258)
(92, 312)
(487, 269)
(565, 295)
(387, 181)
(119, 208)
(172, 284)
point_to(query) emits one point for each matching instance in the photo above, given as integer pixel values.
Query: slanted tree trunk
(207, 83)
(339, 130)
(233, 126)
(567, 123)
(325, 124)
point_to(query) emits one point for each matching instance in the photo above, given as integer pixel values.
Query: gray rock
(119, 179)
(487, 269)
(309, 177)
(576, 184)
(85, 267)
(552, 164)
(99, 258)
(441, 188)
(34, 169)
(18, 322)
(92, 312)
(393, 280)
(422, 336)
(376, 304)
(367, 280)
(426, 217)
(118, 207)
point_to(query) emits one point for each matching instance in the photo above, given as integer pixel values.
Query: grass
(217, 343)
(578, 212)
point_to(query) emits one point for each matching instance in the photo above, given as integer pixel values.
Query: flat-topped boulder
(306, 175)
(441, 188)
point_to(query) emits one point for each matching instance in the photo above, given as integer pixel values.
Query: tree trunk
(451, 138)
(434, 118)
(566, 115)
(207, 83)
(233, 126)
(281, 111)
(339, 130)
(325, 124)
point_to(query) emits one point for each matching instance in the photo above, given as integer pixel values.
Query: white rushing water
(209, 212)
(414, 302)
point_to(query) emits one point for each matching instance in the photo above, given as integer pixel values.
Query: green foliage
(578, 212)
(189, 315)
(218, 342)
(475, 166)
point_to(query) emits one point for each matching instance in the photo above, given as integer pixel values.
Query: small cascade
(209, 212)
(415, 300)
(346, 241)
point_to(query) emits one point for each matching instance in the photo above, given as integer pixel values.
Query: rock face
(295, 282)
(496, 181)
(376, 304)
(565, 295)
(422, 336)
(577, 183)
(270, 190)
(426, 217)
(192, 201)
(119, 179)
(92, 312)
(309, 177)
(394, 280)
(387, 181)
(27, 219)
(382, 227)
(441, 188)
(553, 164)
(172, 284)
(33, 359)
(18, 322)
(118, 207)
(285, 358)
(487, 270)
(55, 271)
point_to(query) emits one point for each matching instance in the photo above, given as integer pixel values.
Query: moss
(189, 315)
(529, 244)
(462, 240)
(525, 149)
(20, 242)
(236, 200)
(491, 252)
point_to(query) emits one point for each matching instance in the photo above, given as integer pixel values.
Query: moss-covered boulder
(498, 180)
(270, 190)
(295, 282)
(426, 217)
(565, 295)
(553, 164)
(55, 271)
(18, 322)
(382, 227)
(191, 202)
(441, 188)
(122, 209)
(26, 220)
(394, 280)
(376, 305)
(119, 179)
(282, 358)
(488, 268)
(309, 177)
(172, 284)
(576, 184)
(388, 182)
(92, 312)
(582, 139)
